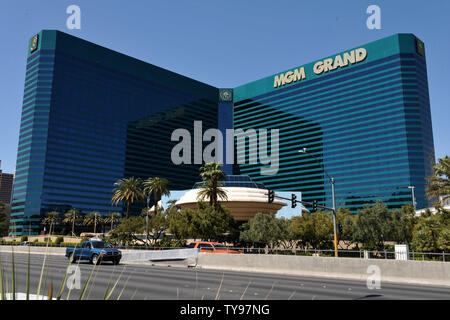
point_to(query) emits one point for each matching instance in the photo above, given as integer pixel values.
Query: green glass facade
(368, 124)
(91, 116)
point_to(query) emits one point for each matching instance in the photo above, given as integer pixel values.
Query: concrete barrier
(158, 255)
(127, 255)
(414, 272)
(34, 250)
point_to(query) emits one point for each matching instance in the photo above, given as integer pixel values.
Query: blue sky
(223, 43)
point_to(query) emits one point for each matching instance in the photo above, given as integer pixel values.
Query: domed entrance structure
(245, 198)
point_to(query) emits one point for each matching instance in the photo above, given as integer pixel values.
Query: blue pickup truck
(95, 252)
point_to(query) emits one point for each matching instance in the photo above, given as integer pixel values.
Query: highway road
(147, 282)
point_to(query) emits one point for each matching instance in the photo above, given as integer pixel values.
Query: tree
(438, 185)
(209, 223)
(403, 223)
(234, 231)
(373, 226)
(204, 223)
(211, 174)
(426, 235)
(179, 222)
(432, 231)
(159, 187)
(51, 218)
(157, 224)
(127, 231)
(442, 215)
(285, 236)
(5, 212)
(314, 231)
(93, 218)
(266, 230)
(259, 231)
(127, 190)
(347, 221)
(443, 242)
(112, 218)
(70, 217)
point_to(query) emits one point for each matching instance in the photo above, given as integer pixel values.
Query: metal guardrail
(361, 254)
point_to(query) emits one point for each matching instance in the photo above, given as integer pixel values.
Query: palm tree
(211, 174)
(438, 185)
(159, 187)
(93, 218)
(212, 192)
(70, 217)
(112, 218)
(51, 218)
(128, 190)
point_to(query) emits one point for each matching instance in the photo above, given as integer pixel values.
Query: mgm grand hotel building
(91, 116)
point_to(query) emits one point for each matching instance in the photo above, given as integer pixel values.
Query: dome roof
(243, 203)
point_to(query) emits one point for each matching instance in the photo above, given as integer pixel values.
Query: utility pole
(146, 219)
(334, 217)
(413, 196)
(303, 150)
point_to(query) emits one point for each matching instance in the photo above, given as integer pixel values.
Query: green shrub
(24, 238)
(59, 240)
(47, 239)
(168, 242)
(69, 244)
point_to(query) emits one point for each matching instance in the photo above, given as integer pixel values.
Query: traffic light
(314, 208)
(294, 201)
(271, 195)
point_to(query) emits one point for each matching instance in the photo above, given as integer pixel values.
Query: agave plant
(4, 287)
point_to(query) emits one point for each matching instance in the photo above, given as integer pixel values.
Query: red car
(211, 247)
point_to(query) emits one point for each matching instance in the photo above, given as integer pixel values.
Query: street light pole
(413, 196)
(146, 219)
(334, 217)
(333, 194)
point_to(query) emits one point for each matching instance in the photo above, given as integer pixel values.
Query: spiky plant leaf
(124, 286)
(43, 266)
(86, 284)
(92, 284)
(109, 283)
(50, 291)
(13, 276)
(63, 283)
(2, 283)
(115, 284)
(28, 275)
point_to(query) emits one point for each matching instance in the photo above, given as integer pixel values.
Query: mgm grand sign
(322, 66)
